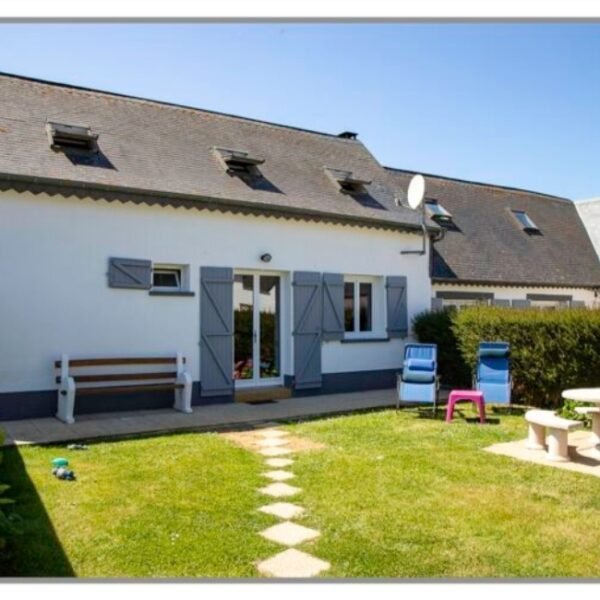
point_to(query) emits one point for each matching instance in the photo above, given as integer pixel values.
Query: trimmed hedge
(436, 328)
(5, 523)
(551, 350)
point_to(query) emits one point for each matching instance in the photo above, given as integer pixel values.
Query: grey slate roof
(164, 153)
(488, 245)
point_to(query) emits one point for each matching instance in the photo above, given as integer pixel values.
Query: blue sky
(513, 104)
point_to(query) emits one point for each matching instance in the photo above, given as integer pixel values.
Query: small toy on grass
(62, 473)
(60, 469)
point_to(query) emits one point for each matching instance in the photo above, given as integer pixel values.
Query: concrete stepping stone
(273, 433)
(279, 462)
(292, 563)
(279, 475)
(283, 510)
(275, 451)
(272, 442)
(279, 490)
(289, 534)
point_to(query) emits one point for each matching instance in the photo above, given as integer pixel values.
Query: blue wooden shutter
(397, 307)
(333, 306)
(216, 323)
(308, 309)
(131, 273)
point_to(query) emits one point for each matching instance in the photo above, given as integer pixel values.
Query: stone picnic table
(592, 396)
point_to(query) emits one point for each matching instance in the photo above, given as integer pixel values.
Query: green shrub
(436, 328)
(551, 350)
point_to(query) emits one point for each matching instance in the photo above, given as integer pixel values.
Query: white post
(66, 393)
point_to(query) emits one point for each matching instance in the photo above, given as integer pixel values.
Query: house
(589, 211)
(267, 255)
(507, 246)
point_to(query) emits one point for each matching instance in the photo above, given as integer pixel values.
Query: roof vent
(71, 137)
(348, 135)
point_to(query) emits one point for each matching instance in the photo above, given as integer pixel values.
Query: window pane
(269, 326)
(165, 278)
(349, 306)
(366, 306)
(243, 302)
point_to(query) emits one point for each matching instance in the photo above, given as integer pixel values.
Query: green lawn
(394, 495)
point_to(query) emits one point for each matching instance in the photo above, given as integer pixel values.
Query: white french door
(257, 329)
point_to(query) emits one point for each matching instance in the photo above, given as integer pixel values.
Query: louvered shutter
(333, 306)
(130, 273)
(308, 309)
(397, 307)
(216, 323)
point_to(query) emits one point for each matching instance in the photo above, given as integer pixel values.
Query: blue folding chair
(492, 374)
(418, 381)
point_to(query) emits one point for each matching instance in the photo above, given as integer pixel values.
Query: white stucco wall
(55, 298)
(520, 293)
(589, 211)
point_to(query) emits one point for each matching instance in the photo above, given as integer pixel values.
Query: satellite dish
(416, 191)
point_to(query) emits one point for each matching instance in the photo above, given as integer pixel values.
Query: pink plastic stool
(467, 395)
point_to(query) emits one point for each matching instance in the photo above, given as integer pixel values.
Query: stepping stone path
(290, 563)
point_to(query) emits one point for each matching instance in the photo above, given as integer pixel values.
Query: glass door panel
(243, 312)
(269, 348)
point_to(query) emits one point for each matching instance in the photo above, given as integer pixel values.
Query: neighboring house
(589, 211)
(267, 255)
(507, 246)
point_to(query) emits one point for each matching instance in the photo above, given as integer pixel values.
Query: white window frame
(377, 307)
(182, 277)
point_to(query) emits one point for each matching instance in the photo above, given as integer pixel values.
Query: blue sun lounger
(418, 380)
(492, 374)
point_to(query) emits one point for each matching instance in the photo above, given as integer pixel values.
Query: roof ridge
(481, 183)
(166, 104)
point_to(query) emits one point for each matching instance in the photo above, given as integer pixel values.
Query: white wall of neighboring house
(589, 212)
(55, 297)
(520, 293)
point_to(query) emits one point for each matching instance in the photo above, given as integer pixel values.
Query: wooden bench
(72, 381)
(558, 431)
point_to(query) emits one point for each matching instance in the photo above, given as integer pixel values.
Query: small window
(525, 221)
(352, 188)
(437, 212)
(72, 137)
(166, 278)
(358, 306)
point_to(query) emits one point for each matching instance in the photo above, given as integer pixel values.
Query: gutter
(110, 193)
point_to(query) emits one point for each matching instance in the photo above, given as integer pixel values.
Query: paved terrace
(216, 416)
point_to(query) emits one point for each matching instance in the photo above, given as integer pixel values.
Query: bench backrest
(90, 372)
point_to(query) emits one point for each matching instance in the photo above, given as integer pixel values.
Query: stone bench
(594, 413)
(558, 431)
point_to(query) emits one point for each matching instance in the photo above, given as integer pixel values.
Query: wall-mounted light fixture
(266, 257)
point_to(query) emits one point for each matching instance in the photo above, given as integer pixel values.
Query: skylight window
(525, 221)
(437, 212)
(71, 137)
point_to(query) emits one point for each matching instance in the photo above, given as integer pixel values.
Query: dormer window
(71, 137)
(244, 166)
(348, 182)
(525, 221)
(437, 212)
